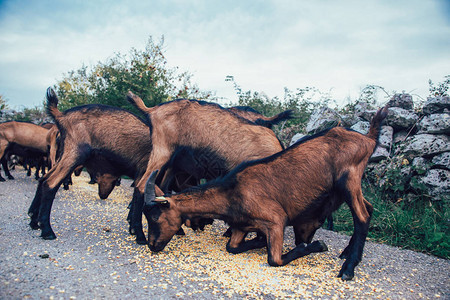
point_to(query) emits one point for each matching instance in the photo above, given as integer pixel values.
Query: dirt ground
(94, 257)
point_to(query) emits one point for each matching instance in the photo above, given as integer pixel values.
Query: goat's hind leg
(361, 211)
(40, 208)
(3, 145)
(6, 169)
(1, 178)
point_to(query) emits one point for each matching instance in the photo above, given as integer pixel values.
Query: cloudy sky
(336, 46)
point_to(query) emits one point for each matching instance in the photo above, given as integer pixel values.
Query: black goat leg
(258, 242)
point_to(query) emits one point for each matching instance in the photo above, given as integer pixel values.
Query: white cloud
(266, 45)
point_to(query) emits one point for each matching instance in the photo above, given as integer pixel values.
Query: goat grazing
(24, 134)
(299, 186)
(206, 128)
(109, 140)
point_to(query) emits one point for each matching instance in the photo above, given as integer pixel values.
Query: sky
(338, 47)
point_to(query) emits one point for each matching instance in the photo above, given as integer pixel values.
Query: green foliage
(441, 89)
(35, 115)
(3, 104)
(302, 101)
(145, 73)
(418, 225)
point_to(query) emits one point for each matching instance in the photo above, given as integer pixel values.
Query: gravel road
(95, 258)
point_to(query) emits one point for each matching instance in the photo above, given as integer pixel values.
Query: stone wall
(413, 156)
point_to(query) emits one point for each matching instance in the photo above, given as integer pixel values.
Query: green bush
(144, 72)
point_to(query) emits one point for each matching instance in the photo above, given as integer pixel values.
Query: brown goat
(187, 166)
(207, 128)
(108, 139)
(24, 134)
(299, 186)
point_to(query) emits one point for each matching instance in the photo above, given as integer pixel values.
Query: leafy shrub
(144, 72)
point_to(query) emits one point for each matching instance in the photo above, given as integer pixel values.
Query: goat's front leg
(135, 217)
(237, 243)
(137, 203)
(275, 247)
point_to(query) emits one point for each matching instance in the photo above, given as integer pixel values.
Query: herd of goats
(193, 162)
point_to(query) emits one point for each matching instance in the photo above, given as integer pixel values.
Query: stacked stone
(418, 138)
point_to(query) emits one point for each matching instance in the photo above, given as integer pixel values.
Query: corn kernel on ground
(94, 257)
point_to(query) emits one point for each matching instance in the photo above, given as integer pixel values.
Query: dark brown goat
(89, 132)
(299, 186)
(205, 127)
(24, 134)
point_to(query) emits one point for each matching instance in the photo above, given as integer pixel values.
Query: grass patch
(421, 225)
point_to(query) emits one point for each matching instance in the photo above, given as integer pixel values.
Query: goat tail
(52, 104)
(285, 115)
(269, 122)
(137, 102)
(375, 124)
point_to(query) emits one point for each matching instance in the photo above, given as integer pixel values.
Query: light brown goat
(299, 186)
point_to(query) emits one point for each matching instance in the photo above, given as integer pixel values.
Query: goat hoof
(34, 225)
(50, 236)
(140, 239)
(10, 177)
(322, 247)
(345, 276)
(2, 179)
(141, 242)
(347, 272)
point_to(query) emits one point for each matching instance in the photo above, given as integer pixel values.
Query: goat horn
(149, 194)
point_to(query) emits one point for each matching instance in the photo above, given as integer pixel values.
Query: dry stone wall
(413, 155)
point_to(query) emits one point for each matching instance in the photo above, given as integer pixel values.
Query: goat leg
(135, 217)
(48, 195)
(361, 211)
(275, 247)
(6, 170)
(302, 250)
(256, 243)
(33, 210)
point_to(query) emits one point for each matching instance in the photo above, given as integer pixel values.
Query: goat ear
(149, 194)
